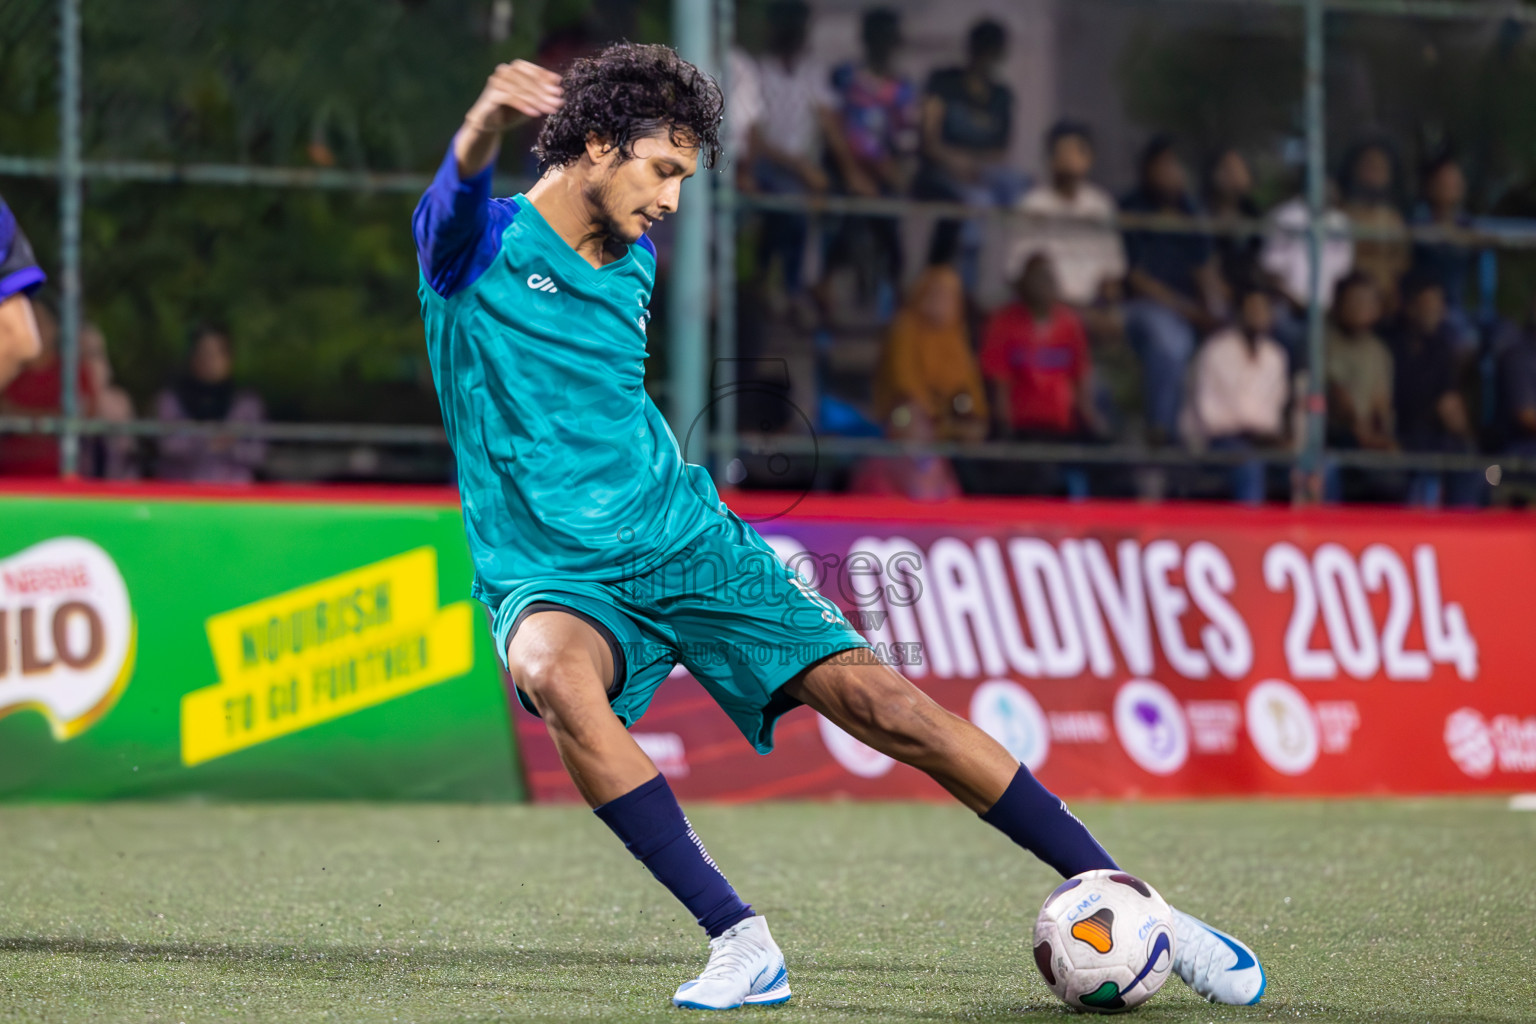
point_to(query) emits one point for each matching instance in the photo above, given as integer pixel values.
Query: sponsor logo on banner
(1079, 726)
(1151, 726)
(1282, 727)
(1477, 746)
(864, 761)
(1337, 721)
(326, 650)
(1214, 724)
(666, 750)
(1008, 713)
(67, 634)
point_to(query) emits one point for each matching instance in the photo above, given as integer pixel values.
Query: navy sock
(1039, 821)
(653, 828)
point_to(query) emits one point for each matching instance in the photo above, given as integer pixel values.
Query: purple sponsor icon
(1162, 738)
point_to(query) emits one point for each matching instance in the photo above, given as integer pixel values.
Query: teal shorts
(725, 607)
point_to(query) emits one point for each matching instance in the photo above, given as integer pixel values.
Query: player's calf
(885, 710)
(879, 707)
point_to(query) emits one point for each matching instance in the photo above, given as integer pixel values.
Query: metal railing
(1313, 456)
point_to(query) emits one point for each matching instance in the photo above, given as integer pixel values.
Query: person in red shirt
(1034, 355)
(917, 476)
(36, 391)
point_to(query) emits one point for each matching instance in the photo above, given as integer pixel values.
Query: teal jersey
(566, 468)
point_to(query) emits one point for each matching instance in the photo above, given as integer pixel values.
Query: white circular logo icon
(69, 648)
(1469, 742)
(1282, 727)
(1151, 726)
(1009, 714)
(864, 761)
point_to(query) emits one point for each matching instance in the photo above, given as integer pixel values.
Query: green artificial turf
(1379, 911)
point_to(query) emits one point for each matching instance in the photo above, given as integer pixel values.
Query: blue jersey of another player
(566, 467)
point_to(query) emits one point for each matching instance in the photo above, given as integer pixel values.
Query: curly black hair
(628, 92)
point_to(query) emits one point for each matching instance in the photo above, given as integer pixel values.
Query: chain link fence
(251, 170)
(1261, 113)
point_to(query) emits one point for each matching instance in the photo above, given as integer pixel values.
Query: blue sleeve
(458, 227)
(19, 271)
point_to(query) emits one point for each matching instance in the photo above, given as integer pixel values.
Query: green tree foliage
(318, 287)
(1215, 78)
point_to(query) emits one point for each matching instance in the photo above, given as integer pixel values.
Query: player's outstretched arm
(513, 93)
(455, 224)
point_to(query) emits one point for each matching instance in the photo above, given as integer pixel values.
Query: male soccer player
(604, 557)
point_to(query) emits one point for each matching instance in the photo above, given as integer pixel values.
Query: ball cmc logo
(1151, 726)
(67, 635)
(1282, 726)
(1008, 713)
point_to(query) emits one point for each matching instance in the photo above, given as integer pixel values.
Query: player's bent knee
(564, 690)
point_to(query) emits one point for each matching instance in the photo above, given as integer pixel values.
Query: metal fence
(700, 404)
(1310, 20)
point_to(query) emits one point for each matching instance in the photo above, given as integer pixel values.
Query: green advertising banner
(153, 646)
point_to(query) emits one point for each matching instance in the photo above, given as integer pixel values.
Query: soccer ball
(1104, 941)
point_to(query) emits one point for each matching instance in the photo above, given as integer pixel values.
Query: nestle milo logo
(66, 633)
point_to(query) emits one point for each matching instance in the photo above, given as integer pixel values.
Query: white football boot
(1218, 967)
(746, 968)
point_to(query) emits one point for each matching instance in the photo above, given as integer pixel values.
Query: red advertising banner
(1124, 650)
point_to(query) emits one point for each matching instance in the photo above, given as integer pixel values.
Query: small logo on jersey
(643, 319)
(540, 283)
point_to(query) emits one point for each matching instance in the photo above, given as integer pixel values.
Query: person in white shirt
(1083, 245)
(794, 119)
(1238, 391)
(1286, 257)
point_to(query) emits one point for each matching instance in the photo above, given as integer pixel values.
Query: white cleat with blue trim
(746, 968)
(1218, 967)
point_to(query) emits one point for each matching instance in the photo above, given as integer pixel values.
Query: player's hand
(514, 91)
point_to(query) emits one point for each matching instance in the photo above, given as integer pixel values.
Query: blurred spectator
(1431, 413)
(967, 119)
(1228, 200)
(207, 394)
(1173, 283)
(1084, 249)
(1370, 187)
(20, 276)
(1239, 390)
(1516, 375)
(878, 110)
(876, 129)
(1286, 259)
(1035, 358)
(110, 457)
(743, 109)
(1442, 204)
(917, 476)
(37, 391)
(928, 363)
(1359, 369)
(785, 138)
